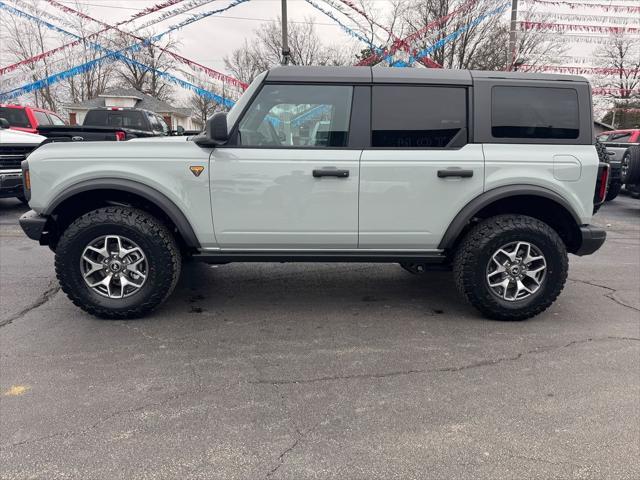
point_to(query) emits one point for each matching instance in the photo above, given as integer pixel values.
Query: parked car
(619, 149)
(28, 119)
(15, 146)
(491, 174)
(110, 123)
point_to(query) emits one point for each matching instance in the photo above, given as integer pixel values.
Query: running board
(302, 256)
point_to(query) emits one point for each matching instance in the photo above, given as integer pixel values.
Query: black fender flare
(487, 198)
(130, 186)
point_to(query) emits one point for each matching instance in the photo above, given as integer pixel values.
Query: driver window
(298, 116)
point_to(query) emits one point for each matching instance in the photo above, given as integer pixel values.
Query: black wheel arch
(531, 200)
(98, 192)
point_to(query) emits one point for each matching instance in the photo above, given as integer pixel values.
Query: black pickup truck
(109, 124)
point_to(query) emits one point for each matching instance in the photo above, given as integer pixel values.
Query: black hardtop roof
(298, 74)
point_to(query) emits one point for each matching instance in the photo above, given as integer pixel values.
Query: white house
(132, 98)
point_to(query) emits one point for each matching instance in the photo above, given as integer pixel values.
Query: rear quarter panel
(568, 170)
(160, 164)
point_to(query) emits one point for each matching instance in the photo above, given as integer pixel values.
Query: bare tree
(144, 79)
(265, 49)
(622, 87)
(204, 107)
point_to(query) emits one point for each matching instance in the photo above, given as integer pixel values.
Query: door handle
(455, 172)
(330, 172)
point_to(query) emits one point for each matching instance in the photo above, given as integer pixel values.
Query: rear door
(420, 169)
(288, 180)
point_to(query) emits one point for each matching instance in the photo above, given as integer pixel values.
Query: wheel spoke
(95, 266)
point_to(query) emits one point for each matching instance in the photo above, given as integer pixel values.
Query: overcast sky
(209, 40)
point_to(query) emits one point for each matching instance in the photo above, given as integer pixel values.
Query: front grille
(11, 156)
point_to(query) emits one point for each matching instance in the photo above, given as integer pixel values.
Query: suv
(493, 175)
(28, 119)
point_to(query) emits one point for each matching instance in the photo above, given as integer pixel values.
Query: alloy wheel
(114, 266)
(516, 271)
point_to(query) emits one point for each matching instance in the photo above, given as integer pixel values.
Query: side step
(435, 258)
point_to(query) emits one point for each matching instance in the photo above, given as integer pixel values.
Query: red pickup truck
(28, 119)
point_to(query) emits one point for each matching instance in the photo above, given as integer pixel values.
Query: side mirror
(216, 132)
(4, 123)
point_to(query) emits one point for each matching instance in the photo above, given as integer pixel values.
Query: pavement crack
(82, 431)
(610, 295)
(48, 294)
(459, 368)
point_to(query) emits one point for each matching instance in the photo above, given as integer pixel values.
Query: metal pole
(513, 36)
(286, 54)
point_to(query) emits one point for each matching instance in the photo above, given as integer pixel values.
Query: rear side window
(42, 118)
(534, 112)
(417, 117)
(16, 117)
(115, 118)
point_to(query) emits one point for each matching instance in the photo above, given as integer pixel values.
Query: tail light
(602, 184)
(120, 136)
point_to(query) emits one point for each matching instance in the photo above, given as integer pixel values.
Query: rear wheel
(511, 267)
(117, 262)
(631, 166)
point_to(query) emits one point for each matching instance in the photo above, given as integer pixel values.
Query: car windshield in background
(115, 118)
(15, 116)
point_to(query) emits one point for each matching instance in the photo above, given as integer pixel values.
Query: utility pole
(286, 54)
(513, 36)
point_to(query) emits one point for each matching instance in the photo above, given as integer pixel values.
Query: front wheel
(117, 262)
(511, 267)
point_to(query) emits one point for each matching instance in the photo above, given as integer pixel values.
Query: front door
(419, 171)
(288, 180)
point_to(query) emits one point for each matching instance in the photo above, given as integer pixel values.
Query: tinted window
(16, 117)
(42, 118)
(620, 137)
(56, 120)
(534, 112)
(298, 116)
(417, 117)
(115, 118)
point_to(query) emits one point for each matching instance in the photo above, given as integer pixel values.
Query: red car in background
(28, 119)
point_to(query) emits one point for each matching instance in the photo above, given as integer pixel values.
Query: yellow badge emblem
(196, 169)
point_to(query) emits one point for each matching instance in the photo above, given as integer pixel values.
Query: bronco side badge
(196, 169)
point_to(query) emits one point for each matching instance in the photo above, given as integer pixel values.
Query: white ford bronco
(493, 175)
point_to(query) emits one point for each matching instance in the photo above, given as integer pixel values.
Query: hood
(182, 138)
(15, 136)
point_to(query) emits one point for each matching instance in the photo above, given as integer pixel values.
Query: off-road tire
(149, 233)
(631, 160)
(613, 190)
(602, 152)
(474, 252)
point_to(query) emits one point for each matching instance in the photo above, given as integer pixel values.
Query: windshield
(236, 110)
(15, 116)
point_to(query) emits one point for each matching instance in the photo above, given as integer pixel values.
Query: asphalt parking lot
(322, 371)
